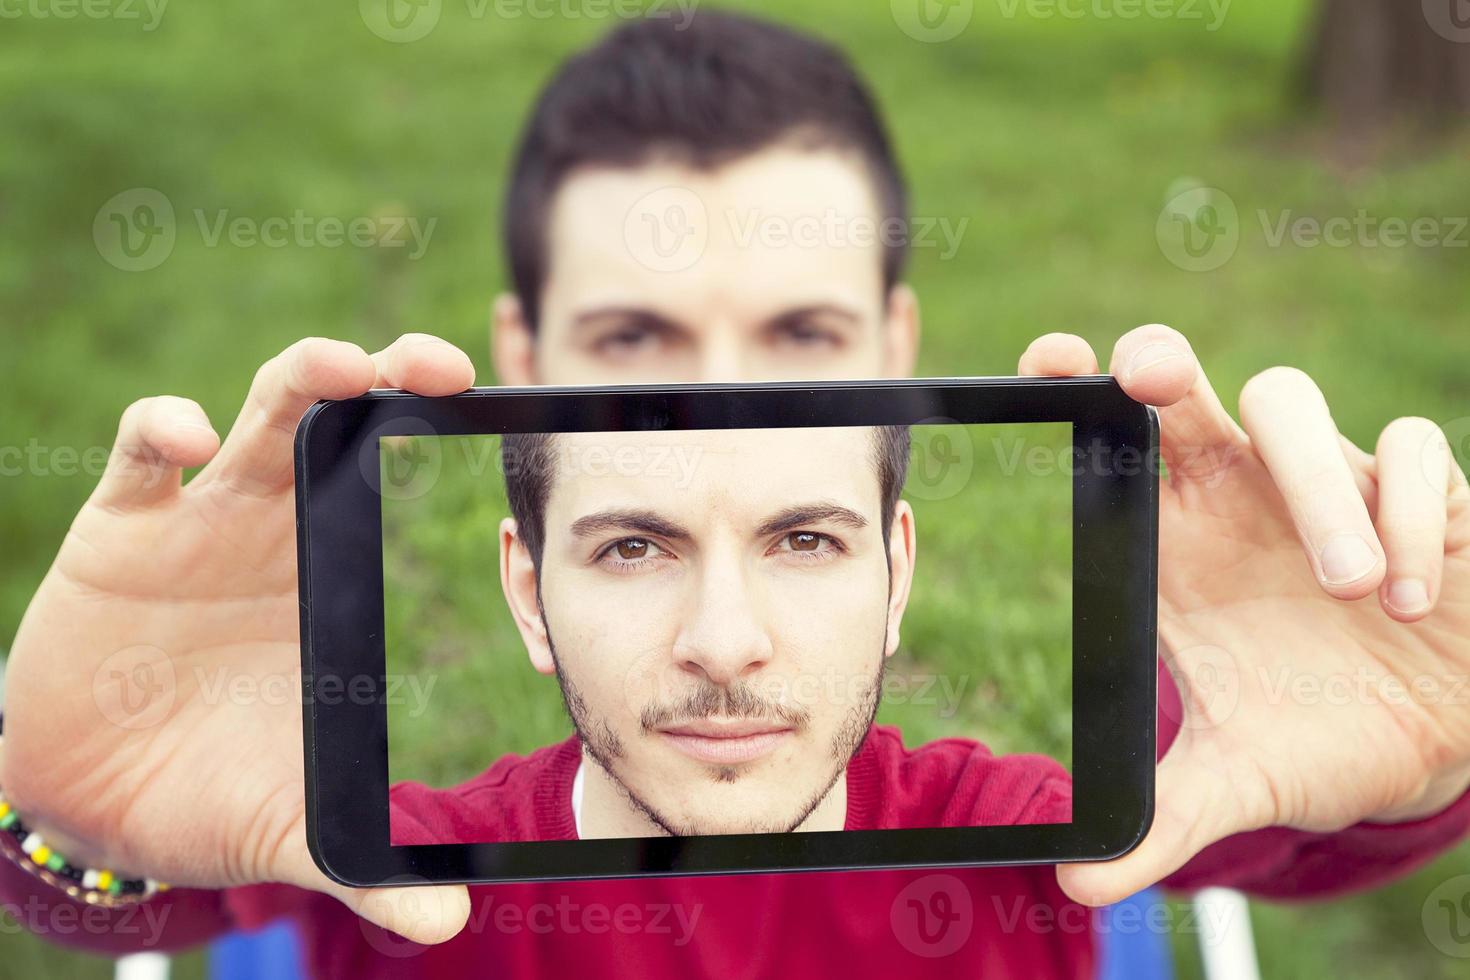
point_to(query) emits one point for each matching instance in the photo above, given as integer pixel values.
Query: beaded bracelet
(95, 886)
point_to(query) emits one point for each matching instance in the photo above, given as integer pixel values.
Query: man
(1281, 544)
(688, 612)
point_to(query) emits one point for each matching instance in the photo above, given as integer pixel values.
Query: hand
(153, 714)
(1326, 589)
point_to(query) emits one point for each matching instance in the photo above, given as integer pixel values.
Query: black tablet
(687, 629)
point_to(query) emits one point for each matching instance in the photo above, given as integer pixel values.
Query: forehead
(803, 224)
(737, 470)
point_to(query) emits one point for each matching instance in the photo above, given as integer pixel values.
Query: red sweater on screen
(991, 922)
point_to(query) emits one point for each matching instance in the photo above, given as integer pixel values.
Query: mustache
(733, 701)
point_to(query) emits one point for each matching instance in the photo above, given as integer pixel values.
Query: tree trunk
(1376, 62)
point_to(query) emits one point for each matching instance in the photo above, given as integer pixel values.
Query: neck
(607, 812)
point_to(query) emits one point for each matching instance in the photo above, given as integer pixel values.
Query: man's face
(766, 268)
(718, 607)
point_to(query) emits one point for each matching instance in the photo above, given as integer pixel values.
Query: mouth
(726, 741)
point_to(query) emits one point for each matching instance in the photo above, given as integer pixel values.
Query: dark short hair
(528, 461)
(703, 92)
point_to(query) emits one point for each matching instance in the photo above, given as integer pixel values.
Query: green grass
(1058, 139)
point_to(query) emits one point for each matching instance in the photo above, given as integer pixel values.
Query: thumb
(427, 914)
(1193, 808)
(411, 908)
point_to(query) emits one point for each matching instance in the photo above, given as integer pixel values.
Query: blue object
(273, 952)
(1133, 938)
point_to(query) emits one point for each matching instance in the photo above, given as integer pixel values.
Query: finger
(1292, 430)
(156, 439)
(1365, 473)
(1058, 355)
(1190, 813)
(425, 365)
(1198, 438)
(1414, 466)
(257, 454)
(426, 914)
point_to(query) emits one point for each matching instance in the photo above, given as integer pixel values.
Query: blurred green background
(986, 642)
(1060, 138)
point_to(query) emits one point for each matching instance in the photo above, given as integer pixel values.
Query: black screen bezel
(339, 537)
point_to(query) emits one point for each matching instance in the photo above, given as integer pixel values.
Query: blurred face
(767, 268)
(718, 608)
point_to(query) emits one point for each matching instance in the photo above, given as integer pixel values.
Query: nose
(723, 637)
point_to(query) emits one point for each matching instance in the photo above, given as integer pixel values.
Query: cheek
(831, 626)
(609, 636)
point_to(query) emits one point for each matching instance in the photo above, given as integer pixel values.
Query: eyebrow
(803, 514)
(641, 316)
(849, 318)
(638, 521)
(648, 522)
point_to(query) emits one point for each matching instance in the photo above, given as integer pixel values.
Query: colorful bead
(32, 841)
(104, 881)
(8, 820)
(115, 887)
(4, 808)
(55, 862)
(89, 879)
(41, 854)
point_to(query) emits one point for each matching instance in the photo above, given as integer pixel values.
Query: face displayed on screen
(718, 608)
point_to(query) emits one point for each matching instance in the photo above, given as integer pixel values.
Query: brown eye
(631, 549)
(804, 541)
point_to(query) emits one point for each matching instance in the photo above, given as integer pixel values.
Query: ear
(512, 342)
(901, 332)
(903, 546)
(518, 582)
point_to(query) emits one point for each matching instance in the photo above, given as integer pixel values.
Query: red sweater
(979, 922)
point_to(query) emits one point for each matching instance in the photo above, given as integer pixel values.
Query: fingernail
(1151, 356)
(1347, 558)
(1408, 595)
